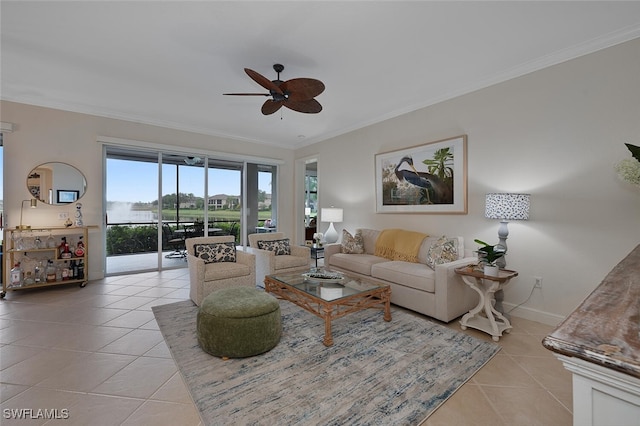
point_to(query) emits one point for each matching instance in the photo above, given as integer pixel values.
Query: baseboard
(533, 314)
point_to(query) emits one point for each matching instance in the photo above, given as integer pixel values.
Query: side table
(484, 316)
(317, 252)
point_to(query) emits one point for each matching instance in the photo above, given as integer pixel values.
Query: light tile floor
(97, 352)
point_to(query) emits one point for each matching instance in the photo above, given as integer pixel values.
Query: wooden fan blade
(270, 106)
(302, 89)
(246, 94)
(310, 106)
(263, 81)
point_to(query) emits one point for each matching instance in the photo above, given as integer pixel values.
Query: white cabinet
(42, 259)
(602, 396)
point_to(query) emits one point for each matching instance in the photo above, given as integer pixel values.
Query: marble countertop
(605, 328)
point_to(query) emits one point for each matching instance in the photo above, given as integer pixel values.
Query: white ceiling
(168, 63)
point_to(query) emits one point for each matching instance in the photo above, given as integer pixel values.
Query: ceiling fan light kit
(296, 94)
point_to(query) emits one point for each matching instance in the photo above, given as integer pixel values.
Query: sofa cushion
(369, 237)
(353, 244)
(215, 252)
(224, 270)
(409, 274)
(279, 247)
(287, 261)
(444, 250)
(423, 254)
(360, 263)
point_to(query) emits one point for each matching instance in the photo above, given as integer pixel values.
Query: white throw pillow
(352, 244)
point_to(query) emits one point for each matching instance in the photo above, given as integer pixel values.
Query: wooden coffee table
(330, 299)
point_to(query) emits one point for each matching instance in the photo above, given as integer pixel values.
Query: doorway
(310, 199)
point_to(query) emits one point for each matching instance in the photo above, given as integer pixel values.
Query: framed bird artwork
(429, 178)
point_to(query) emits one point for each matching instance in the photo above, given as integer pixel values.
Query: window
(178, 195)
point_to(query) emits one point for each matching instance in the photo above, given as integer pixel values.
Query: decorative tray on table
(323, 277)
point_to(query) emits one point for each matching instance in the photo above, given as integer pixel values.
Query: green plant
(635, 150)
(628, 169)
(489, 253)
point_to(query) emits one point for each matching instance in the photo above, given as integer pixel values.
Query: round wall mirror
(56, 183)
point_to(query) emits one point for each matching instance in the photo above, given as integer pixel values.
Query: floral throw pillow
(444, 250)
(216, 252)
(280, 247)
(353, 244)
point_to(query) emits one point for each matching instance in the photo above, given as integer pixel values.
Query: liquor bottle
(74, 270)
(80, 247)
(37, 273)
(51, 272)
(51, 242)
(65, 271)
(28, 278)
(62, 245)
(80, 269)
(66, 253)
(16, 276)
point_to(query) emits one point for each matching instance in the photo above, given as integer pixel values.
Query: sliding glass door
(182, 204)
(132, 213)
(261, 209)
(224, 201)
(155, 200)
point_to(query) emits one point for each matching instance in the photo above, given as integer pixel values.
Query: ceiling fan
(296, 94)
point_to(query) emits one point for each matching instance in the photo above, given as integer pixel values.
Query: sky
(140, 184)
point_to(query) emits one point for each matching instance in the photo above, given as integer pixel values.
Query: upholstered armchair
(271, 261)
(214, 264)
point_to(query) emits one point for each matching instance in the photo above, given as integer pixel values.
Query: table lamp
(506, 207)
(331, 214)
(33, 204)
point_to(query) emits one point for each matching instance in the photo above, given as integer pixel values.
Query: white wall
(43, 135)
(556, 134)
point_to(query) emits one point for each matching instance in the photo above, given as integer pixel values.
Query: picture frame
(437, 182)
(67, 196)
(308, 243)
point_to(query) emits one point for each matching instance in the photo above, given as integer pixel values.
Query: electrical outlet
(538, 282)
(63, 215)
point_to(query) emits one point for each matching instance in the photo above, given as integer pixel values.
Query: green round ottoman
(238, 322)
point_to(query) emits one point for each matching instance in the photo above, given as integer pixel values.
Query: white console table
(599, 344)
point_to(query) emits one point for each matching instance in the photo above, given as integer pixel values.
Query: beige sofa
(439, 293)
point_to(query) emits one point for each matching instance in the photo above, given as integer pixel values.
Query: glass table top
(327, 289)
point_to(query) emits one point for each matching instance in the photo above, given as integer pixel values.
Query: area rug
(377, 372)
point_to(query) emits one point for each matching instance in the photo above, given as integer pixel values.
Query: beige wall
(556, 134)
(42, 135)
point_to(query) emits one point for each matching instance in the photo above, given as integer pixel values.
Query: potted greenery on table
(488, 255)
